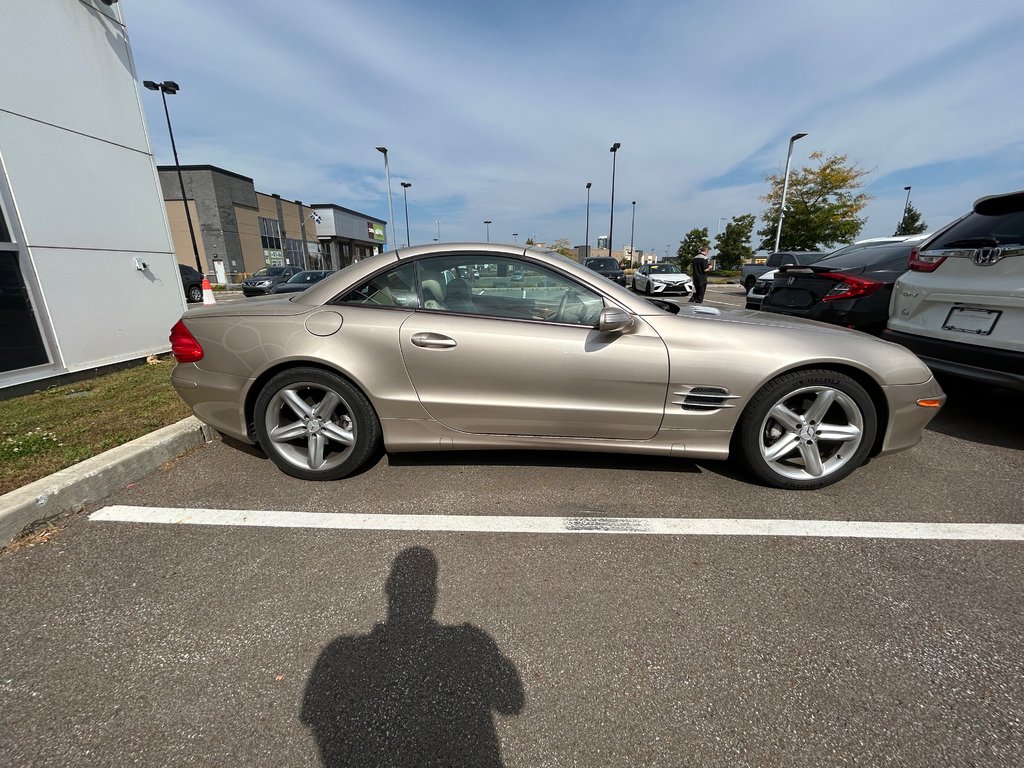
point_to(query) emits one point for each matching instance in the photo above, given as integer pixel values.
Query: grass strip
(50, 430)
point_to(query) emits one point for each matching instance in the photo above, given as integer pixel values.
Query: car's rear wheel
(807, 429)
(195, 293)
(315, 425)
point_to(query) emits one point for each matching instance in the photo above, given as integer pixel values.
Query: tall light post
(785, 187)
(171, 87)
(611, 222)
(632, 229)
(906, 207)
(488, 225)
(405, 196)
(515, 238)
(387, 173)
(438, 238)
(586, 236)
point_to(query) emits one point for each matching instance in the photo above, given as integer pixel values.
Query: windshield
(665, 269)
(269, 272)
(845, 258)
(602, 264)
(976, 231)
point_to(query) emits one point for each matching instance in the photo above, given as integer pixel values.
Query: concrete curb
(70, 489)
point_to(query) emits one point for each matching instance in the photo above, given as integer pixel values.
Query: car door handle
(432, 341)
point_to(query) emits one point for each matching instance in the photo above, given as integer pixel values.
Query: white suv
(960, 308)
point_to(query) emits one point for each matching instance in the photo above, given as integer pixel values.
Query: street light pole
(906, 207)
(387, 173)
(405, 197)
(632, 230)
(438, 222)
(586, 237)
(611, 223)
(785, 187)
(488, 225)
(515, 238)
(171, 87)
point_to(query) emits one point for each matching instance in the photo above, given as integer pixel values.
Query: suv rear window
(977, 231)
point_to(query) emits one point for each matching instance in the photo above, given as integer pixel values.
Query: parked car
(850, 288)
(263, 282)
(191, 283)
(387, 354)
(607, 267)
(961, 305)
(662, 278)
(750, 272)
(301, 281)
(763, 284)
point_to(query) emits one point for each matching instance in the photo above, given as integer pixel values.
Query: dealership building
(92, 232)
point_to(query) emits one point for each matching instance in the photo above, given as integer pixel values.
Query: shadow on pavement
(980, 414)
(533, 458)
(412, 691)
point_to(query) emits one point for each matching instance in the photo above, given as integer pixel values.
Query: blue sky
(504, 110)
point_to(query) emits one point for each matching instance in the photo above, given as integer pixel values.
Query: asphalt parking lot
(281, 640)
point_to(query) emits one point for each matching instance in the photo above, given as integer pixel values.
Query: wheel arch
(862, 377)
(264, 376)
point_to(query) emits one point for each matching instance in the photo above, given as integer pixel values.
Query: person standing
(699, 268)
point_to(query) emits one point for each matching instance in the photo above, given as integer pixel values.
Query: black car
(191, 282)
(851, 287)
(302, 281)
(264, 281)
(608, 267)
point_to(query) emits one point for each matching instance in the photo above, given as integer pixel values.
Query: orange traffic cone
(208, 293)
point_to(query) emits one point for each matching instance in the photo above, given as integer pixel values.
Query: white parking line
(581, 524)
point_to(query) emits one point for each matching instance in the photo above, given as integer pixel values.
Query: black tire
(647, 289)
(849, 412)
(748, 283)
(751, 305)
(195, 293)
(352, 418)
(635, 289)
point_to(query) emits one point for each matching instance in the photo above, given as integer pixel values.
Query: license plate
(971, 320)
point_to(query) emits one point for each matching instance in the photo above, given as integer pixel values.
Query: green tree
(733, 243)
(691, 245)
(912, 223)
(564, 247)
(822, 204)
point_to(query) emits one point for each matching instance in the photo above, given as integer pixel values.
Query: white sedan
(662, 278)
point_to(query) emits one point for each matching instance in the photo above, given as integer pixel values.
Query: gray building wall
(82, 193)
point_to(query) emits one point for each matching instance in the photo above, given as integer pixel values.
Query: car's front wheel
(807, 429)
(315, 425)
(195, 293)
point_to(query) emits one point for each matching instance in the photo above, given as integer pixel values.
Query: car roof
(1000, 205)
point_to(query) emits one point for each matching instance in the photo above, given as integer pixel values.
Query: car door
(507, 363)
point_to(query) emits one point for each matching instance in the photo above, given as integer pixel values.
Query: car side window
(394, 288)
(504, 287)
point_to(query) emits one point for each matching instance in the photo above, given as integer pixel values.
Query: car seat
(459, 297)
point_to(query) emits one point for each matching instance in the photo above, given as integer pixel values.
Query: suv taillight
(919, 263)
(184, 346)
(849, 287)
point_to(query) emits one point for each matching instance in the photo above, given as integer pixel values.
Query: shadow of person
(413, 692)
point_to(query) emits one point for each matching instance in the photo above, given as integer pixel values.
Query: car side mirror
(614, 320)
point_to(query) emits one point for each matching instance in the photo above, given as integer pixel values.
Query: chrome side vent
(705, 399)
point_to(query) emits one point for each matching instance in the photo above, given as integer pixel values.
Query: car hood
(671, 277)
(791, 341)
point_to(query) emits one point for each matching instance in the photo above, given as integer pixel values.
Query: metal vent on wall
(705, 399)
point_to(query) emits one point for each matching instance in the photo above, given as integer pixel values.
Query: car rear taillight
(920, 263)
(184, 346)
(849, 287)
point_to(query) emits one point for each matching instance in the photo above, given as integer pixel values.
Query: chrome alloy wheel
(811, 432)
(310, 426)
